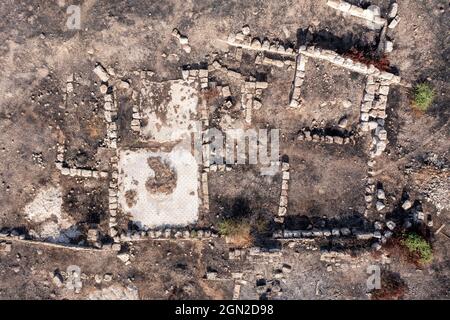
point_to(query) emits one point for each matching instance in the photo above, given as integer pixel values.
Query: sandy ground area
(156, 209)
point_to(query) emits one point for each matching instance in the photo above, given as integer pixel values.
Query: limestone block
(358, 12)
(256, 44)
(382, 135)
(261, 85)
(334, 4)
(393, 10)
(386, 75)
(384, 90)
(226, 92)
(364, 116)
(203, 73)
(185, 74)
(394, 22)
(368, 97)
(366, 106)
(338, 140)
(101, 73)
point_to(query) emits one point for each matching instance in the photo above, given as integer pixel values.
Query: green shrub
(237, 231)
(261, 225)
(417, 245)
(229, 227)
(423, 96)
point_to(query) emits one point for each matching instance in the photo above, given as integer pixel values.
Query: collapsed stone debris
(381, 198)
(184, 40)
(101, 72)
(75, 172)
(196, 74)
(5, 246)
(371, 15)
(217, 66)
(373, 114)
(251, 97)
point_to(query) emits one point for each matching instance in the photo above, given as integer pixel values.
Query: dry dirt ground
(327, 181)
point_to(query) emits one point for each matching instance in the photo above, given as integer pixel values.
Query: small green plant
(418, 246)
(423, 96)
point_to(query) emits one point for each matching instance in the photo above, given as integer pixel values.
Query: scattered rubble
(184, 41)
(371, 14)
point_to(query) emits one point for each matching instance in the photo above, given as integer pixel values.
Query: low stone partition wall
(83, 173)
(167, 233)
(284, 63)
(355, 66)
(9, 235)
(298, 80)
(283, 204)
(242, 254)
(113, 195)
(110, 112)
(13, 234)
(320, 136)
(75, 172)
(324, 233)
